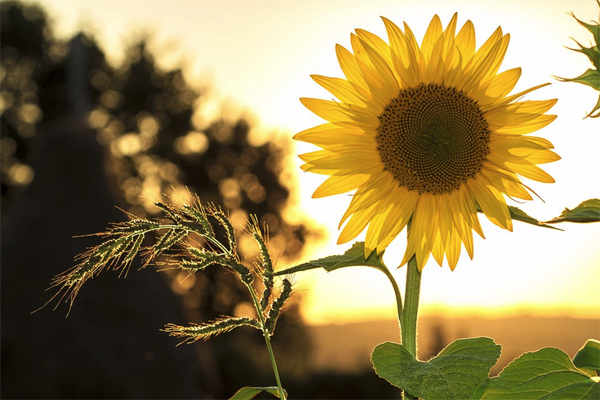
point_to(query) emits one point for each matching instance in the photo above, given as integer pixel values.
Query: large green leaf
(545, 374)
(588, 356)
(452, 374)
(354, 257)
(247, 393)
(587, 211)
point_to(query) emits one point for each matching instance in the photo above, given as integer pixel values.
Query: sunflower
(428, 134)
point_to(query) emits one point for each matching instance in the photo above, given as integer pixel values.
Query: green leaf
(520, 215)
(588, 356)
(248, 392)
(591, 52)
(591, 77)
(587, 211)
(453, 374)
(545, 374)
(594, 29)
(595, 113)
(354, 257)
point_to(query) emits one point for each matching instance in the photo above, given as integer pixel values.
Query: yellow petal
(342, 89)
(468, 208)
(404, 56)
(506, 184)
(486, 62)
(465, 41)
(434, 31)
(450, 31)
(525, 128)
(357, 223)
(491, 202)
(512, 98)
(370, 193)
(453, 251)
(391, 224)
(338, 184)
(385, 74)
(438, 251)
(505, 143)
(503, 83)
(315, 155)
(376, 43)
(348, 160)
(423, 229)
(340, 114)
(351, 71)
(329, 135)
(531, 172)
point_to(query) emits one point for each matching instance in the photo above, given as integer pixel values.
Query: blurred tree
(52, 179)
(33, 76)
(143, 116)
(24, 61)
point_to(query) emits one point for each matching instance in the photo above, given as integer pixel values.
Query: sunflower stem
(411, 307)
(410, 312)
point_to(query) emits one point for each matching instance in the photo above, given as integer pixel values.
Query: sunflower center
(432, 138)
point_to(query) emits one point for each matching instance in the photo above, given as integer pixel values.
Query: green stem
(397, 294)
(410, 313)
(411, 307)
(274, 364)
(267, 337)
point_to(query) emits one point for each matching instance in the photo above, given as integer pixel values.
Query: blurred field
(347, 348)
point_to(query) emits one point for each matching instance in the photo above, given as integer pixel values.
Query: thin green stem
(275, 371)
(267, 337)
(397, 294)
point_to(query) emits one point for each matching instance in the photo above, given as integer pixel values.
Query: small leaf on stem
(248, 392)
(520, 215)
(354, 257)
(586, 211)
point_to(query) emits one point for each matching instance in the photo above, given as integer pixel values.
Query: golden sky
(259, 54)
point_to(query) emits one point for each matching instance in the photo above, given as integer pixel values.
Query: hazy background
(256, 58)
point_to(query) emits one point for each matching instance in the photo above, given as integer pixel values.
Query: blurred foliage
(143, 116)
(24, 63)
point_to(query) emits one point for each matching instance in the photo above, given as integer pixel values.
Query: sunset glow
(281, 43)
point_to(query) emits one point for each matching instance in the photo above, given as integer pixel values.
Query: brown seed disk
(432, 138)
